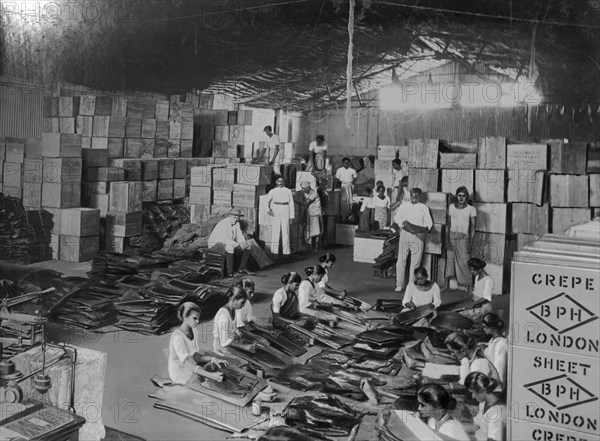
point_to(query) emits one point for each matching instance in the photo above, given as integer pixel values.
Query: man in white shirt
(229, 235)
(272, 144)
(414, 221)
(347, 176)
(281, 207)
(318, 149)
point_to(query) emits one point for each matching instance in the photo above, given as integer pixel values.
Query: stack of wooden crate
(13, 157)
(124, 216)
(79, 238)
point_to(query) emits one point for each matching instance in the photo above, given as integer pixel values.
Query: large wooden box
(78, 249)
(201, 195)
(180, 168)
(222, 198)
(149, 169)
(61, 195)
(179, 188)
(123, 224)
(424, 178)
(489, 247)
(569, 191)
(94, 158)
(133, 148)
(132, 167)
(165, 189)
(61, 145)
(247, 196)
(461, 161)
(104, 174)
(15, 150)
(116, 126)
(438, 206)
(57, 170)
(150, 191)
(80, 222)
(526, 186)
(491, 154)
(490, 186)
(563, 218)
(530, 218)
(344, 234)
(491, 218)
(223, 178)
(367, 249)
(166, 169)
(423, 153)
(12, 175)
(125, 197)
(32, 171)
(530, 157)
(568, 158)
(201, 176)
(115, 148)
(452, 179)
(32, 195)
(594, 190)
(99, 201)
(434, 243)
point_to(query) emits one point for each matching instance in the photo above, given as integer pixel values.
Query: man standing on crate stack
(414, 221)
(227, 237)
(314, 215)
(347, 175)
(281, 208)
(272, 144)
(318, 150)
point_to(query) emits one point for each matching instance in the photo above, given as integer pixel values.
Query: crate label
(556, 308)
(521, 430)
(555, 389)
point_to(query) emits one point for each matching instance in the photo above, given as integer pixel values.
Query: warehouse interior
(339, 143)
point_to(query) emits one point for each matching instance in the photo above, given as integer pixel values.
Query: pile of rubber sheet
(388, 257)
(383, 343)
(160, 222)
(24, 234)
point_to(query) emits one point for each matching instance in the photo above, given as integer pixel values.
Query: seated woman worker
(286, 301)
(225, 333)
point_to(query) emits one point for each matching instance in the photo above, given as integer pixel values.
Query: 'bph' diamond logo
(561, 392)
(562, 313)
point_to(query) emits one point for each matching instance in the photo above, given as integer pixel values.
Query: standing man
(347, 176)
(228, 234)
(397, 176)
(318, 151)
(414, 221)
(314, 215)
(281, 207)
(272, 144)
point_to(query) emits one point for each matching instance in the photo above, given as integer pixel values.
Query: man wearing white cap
(312, 204)
(281, 209)
(229, 235)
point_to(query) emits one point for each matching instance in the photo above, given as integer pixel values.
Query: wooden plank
(526, 186)
(490, 186)
(80, 222)
(464, 161)
(452, 179)
(125, 197)
(569, 191)
(531, 157)
(563, 218)
(568, 158)
(423, 153)
(491, 153)
(491, 218)
(529, 218)
(424, 178)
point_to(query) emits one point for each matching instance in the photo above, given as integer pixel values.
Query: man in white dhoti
(281, 207)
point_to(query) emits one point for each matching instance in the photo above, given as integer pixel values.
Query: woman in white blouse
(492, 415)
(421, 291)
(186, 358)
(327, 261)
(245, 314)
(285, 303)
(309, 292)
(497, 348)
(224, 330)
(435, 405)
(482, 289)
(381, 205)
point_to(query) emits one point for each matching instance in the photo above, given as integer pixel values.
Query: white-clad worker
(228, 233)
(347, 175)
(281, 207)
(272, 142)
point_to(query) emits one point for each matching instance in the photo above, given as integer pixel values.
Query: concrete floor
(133, 359)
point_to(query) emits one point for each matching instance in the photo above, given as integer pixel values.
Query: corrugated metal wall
(372, 127)
(21, 109)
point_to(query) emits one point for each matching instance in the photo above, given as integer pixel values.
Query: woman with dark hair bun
(285, 303)
(491, 418)
(224, 330)
(482, 289)
(186, 358)
(308, 292)
(497, 348)
(435, 403)
(327, 261)
(245, 315)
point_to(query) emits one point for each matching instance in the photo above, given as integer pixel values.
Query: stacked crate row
(216, 189)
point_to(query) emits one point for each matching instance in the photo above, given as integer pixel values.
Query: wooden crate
(199, 213)
(55, 246)
(148, 128)
(164, 189)
(149, 169)
(452, 179)
(344, 234)
(115, 147)
(491, 153)
(221, 133)
(594, 190)
(531, 157)
(568, 158)
(123, 224)
(150, 191)
(56, 170)
(526, 186)
(161, 148)
(201, 176)
(14, 150)
(424, 178)
(166, 168)
(187, 128)
(489, 247)
(94, 158)
(33, 148)
(237, 134)
(118, 106)
(13, 191)
(116, 244)
(174, 148)
(244, 117)
(232, 117)
(201, 196)
(32, 171)
(51, 125)
(367, 249)
(161, 111)
(491, 218)
(87, 105)
(100, 126)
(387, 152)
(434, 243)
(125, 197)
(423, 153)
(78, 249)
(86, 142)
(12, 175)
(133, 148)
(563, 218)
(180, 168)
(133, 128)
(186, 148)
(103, 105)
(132, 167)
(529, 218)
(96, 187)
(51, 107)
(32, 195)
(68, 106)
(569, 191)
(61, 145)
(331, 206)
(84, 125)
(438, 206)
(175, 130)
(462, 161)
(61, 195)
(147, 148)
(179, 188)
(490, 186)
(106, 174)
(117, 126)
(222, 198)
(220, 117)
(99, 143)
(223, 178)
(219, 149)
(247, 196)
(80, 222)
